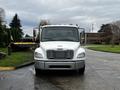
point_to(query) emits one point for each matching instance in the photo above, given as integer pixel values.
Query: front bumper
(59, 65)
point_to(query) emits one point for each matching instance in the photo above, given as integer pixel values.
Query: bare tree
(44, 22)
(115, 34)
(3, 31)
(117, 24)
(2, 15)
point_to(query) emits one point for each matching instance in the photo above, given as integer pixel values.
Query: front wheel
(82, 70)
(36, 71)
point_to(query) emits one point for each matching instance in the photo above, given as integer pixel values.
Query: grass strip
(16, 58)
(105, 48)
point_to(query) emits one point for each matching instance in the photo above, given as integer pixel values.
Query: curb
(24, 65)
(17, 67)
(7, 68)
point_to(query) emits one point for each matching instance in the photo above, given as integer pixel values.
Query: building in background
(94, 38)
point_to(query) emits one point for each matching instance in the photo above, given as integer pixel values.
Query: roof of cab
(60, 26)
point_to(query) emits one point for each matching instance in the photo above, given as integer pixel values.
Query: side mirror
(82, 38)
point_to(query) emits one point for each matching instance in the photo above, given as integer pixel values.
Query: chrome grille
(62, 54)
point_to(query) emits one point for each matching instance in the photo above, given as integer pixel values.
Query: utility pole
(92, 27)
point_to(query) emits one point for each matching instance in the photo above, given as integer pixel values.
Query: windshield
(60, 34)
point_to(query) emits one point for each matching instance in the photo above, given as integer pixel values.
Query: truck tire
(37, 71)
(82, 70)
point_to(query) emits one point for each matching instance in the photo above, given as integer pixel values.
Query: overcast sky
(82, 12)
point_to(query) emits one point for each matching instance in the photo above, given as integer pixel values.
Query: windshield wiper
(49, 39)
(56, 39)
(67, 40)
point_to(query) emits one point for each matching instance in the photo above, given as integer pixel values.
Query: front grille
(54, 54)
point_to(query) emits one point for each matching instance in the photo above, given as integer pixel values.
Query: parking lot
(102, 73)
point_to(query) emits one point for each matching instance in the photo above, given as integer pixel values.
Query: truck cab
(60, 49)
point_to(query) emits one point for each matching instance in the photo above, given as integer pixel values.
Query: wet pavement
(102, 73)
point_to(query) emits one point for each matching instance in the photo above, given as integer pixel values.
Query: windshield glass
(60, 34)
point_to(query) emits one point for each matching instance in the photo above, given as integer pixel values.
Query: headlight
(38, 55)
(81, 55)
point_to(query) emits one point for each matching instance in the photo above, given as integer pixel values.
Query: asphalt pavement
(102, 73)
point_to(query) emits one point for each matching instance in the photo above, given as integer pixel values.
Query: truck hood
(59, 45)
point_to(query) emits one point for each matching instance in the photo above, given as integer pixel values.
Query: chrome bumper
(59, 65)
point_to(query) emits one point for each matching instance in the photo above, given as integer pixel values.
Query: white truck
(59, 49)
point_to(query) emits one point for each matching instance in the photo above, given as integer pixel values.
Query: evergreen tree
(27, 35)
(15, 27)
